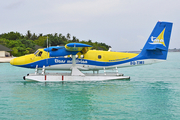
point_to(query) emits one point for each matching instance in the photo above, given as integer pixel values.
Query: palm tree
(74, 39)
(55, 35)
(68, 36)
(28, 35)
(34, 36)
(60, 35)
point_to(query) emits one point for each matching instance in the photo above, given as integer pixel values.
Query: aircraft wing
(68, 49)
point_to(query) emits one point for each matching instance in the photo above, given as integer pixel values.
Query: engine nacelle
(69, 49)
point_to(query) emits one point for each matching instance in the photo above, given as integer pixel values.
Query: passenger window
(99, 56)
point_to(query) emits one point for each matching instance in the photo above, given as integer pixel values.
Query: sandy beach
(5, 59)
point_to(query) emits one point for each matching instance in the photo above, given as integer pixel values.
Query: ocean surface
(152, 93)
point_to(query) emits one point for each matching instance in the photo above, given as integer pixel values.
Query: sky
(125, 25)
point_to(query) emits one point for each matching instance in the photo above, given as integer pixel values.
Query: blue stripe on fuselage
(58, 61)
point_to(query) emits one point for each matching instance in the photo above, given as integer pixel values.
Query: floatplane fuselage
(78, 57)
(92, 60)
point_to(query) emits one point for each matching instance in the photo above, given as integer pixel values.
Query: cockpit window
(36, 52)
(40, 53)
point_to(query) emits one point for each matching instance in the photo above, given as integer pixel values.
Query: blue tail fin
(157, 44)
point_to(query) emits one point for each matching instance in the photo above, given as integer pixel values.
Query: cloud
(115, 22)
(83, 10)
(13, 4)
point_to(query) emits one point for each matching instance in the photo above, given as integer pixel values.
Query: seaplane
(78, 58)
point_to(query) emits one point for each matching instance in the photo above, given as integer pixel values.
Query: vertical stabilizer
(157, 44)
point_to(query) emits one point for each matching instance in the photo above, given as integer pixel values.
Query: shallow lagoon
(153, 92)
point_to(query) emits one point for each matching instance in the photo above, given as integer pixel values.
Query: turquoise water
(153, 93)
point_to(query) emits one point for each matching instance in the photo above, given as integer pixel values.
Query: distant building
(4, 51)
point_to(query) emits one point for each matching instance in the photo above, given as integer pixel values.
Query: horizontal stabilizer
(159, 47)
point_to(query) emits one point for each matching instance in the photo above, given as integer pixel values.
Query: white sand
(5, 59)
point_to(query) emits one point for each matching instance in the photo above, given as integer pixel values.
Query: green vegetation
(25, 44)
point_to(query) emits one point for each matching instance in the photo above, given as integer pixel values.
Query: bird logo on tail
(159, 39)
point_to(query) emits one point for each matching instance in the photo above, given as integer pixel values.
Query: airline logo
(159, 39)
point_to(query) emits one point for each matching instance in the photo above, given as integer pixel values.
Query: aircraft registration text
(136, 62)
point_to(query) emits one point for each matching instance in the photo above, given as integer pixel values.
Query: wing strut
(75, 70)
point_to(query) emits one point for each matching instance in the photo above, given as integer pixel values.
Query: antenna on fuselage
(47, 52)
(47, 41)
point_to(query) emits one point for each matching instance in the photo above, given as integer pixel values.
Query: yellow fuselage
(93, 59)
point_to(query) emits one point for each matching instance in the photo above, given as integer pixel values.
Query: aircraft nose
(18, 61)
(12, 62)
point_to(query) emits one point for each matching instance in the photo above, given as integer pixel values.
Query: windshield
(36, 52)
